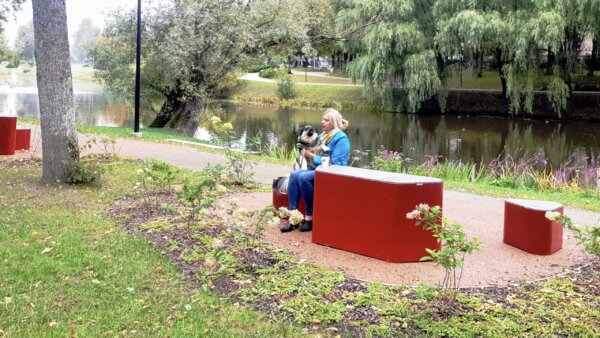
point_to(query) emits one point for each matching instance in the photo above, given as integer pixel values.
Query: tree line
(401, 50)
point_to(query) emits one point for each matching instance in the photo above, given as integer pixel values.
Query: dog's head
(307, 135)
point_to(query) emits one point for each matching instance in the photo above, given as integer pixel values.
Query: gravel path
(496, 264)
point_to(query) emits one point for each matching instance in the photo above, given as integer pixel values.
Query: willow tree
(192, 49)
(397, 59)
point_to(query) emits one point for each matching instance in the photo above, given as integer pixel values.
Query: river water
(465, 138)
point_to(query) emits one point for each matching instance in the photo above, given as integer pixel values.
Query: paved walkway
(193, 158)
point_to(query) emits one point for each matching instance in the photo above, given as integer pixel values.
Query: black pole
(136, 119)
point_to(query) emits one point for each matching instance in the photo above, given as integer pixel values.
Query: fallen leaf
(7, 300)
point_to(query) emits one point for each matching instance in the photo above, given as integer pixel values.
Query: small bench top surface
(535, 204)
(376, 175)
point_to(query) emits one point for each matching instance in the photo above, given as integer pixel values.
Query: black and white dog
(307, 139)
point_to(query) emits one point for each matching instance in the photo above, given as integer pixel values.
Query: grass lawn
(307, 96)
(70, 269)
(320, 79)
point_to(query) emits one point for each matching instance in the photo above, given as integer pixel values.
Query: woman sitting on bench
(336, 146)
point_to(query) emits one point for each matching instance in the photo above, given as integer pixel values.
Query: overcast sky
(77, 10)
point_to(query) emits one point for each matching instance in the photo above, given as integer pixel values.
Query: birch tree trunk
(55, 90)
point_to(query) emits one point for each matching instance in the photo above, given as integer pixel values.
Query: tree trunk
(500, 72)
(181, 115)
(55, 90)
(480, 63)
(593, 62)
(167, 111)
(550, 62)
(187, 119)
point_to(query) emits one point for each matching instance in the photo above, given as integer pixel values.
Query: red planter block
(8, 135)
(364, 211)
(527, 228)
(281, 200)
(23, 139)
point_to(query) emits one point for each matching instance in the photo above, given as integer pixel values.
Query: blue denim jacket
(339, 150)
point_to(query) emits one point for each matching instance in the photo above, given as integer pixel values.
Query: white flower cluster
(296, 217)
(552, 215)
(419, 210)
(283, 212)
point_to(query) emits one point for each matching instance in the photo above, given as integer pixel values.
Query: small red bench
(364, 211)
(281, 200)
(8, 135)
(527, 228)
(11, 138)
(22, 141)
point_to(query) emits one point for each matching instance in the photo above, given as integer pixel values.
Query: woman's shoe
(287, 227)
(305, 226)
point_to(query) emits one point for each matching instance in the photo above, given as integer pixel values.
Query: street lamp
(136, 117)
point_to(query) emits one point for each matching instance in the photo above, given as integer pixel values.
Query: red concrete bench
(527, 228)
(8, 135)
(11, 138)
(281, 200)
(22, 141)
(364, 211)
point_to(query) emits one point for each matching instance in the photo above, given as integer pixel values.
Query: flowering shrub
(455, 244)
(588, 236)
(238, 160)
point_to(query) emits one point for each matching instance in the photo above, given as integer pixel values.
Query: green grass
(585, 200)
(68, 270)
(307, 96)
(320, 79)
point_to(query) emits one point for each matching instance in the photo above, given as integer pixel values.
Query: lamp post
(136, 117)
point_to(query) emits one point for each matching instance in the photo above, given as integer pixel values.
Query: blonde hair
(336, 119)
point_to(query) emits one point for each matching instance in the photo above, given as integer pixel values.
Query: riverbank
(119, 141)
(584, 106)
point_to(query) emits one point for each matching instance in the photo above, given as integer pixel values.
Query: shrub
(285, 88)
(588, 236)
(85, 171)
(455, 245)
(273, 73)
(238, 160)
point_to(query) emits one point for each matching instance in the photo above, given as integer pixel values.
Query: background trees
(400, 42)
(192, 49)
(84, 40)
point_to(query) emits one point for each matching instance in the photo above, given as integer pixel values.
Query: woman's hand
(308, 154)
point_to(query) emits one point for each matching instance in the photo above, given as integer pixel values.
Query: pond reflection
(475, 139)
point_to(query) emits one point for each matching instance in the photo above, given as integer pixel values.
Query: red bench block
(23, 139)
(527, 228)
(281, 200)
(364, 211)
(8, 135)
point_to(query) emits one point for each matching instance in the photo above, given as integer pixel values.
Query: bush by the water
(273, 73)
(285, 88)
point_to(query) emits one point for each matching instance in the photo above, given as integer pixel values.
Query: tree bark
(500, 72)
(182, 115)
(55, 90)
(187, 119)
(593, 61)
(480, 63)
(550, 62)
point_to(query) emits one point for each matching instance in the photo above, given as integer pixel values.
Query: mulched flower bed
(217, 250)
